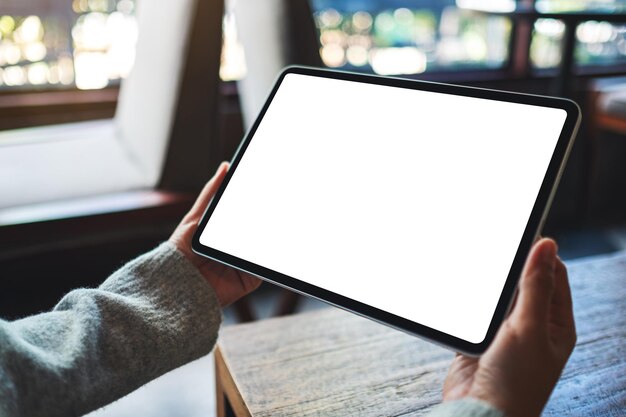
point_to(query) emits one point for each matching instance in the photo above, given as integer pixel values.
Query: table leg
(220, 396)
(229, 400)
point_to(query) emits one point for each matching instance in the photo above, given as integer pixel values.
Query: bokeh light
(91, 50)
(95, 46)
(38, 73)
(233, 62)
(409, 40)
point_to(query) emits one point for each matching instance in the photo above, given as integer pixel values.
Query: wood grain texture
(594, 380)
(333, 363)
(226, 386)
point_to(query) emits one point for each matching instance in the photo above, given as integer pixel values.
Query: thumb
(207, 193)
(536, 286)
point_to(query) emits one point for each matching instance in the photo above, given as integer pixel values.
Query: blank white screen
(410, 201)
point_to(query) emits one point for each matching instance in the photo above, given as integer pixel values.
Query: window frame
(36, 107)
(189, 152)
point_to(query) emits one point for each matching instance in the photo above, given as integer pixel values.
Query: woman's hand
(228, 283)
(523, 364)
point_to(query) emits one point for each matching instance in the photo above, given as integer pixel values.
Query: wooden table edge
(227, 388)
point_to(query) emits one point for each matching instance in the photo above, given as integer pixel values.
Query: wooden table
(333, 363)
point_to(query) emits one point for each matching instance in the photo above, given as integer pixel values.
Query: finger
(537, 284)
(457, 382)
(207, 193)
(513, 304)
(516, 296)
(249, 283)
(562, 313)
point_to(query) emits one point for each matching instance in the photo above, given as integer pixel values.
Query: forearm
(153, 315)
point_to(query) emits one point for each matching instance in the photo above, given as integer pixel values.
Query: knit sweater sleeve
(152, 315)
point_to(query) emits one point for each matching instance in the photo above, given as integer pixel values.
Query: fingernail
(549, 251)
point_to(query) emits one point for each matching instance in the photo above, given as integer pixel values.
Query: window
(130, 151)
(51, 51)
(87, 44)
(409, 37)
(233, 65)
(84, 43)
(597, 43)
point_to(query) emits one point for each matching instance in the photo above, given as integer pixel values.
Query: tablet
(411, 203)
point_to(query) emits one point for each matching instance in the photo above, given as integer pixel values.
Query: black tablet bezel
(532, 230)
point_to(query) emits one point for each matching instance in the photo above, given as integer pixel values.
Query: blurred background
(90, 44)
(86, 184)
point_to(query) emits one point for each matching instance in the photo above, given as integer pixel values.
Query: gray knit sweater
(154, 314)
